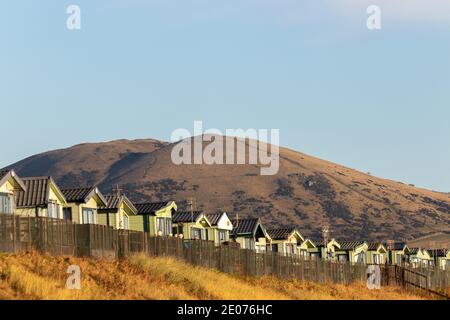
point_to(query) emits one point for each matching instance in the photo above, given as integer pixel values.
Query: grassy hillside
(34, 276)
(307, 192)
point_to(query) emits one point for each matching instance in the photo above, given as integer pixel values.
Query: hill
(307, 192)
(33, 276)
(438, 240)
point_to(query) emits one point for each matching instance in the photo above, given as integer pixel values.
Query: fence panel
(95, 241)
(7, 234)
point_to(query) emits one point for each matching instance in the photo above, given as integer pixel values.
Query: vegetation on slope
(35, 276)
(307, 192)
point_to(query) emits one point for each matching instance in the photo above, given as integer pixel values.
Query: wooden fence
(60, 237)
(43, 234)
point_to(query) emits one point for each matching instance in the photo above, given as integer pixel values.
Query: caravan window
(5, 204)
(89, 216)
(53, 210)
(290, 249)
(198, 234)
(376, 259)
(168, 227)
(67, 213)
(195, 234)
(126, 224)
(249, 243)
(160, 227)
(223, 236)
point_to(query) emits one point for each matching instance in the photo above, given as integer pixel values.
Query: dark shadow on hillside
(38, 166)
(126, 161)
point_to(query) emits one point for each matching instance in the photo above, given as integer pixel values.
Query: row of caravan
(42, 197)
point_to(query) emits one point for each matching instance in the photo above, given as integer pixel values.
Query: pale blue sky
(376, 101)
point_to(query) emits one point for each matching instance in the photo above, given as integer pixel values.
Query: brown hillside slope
(307, 192)
(33, 276)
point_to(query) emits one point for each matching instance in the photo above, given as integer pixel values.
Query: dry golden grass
(35, 276)
(205, 283)
(300, 290)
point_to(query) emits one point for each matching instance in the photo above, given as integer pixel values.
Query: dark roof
(245, 226)
(37, 192)
(186, 216)
(414, 250)
(3, 173)
(350, 245)
(113, 203)
(150, 207)
(318, 243)
(438, 253)
(81, 195)
(214, 218)
(374, 245)
(396, 246)
(321, 242)
(280, 234)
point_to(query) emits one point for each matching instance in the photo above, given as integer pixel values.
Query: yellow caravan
(41, 198)
(442, 258)
(376, 253)
(327, 251)
(398, 253)
(353, 252)
(286, 241)
(251, 234)
(305, 247)
(154, 218)
(420, 258)
(10, 185)
(117, 211)
(191, 225)
(82, 204)
(221, 227)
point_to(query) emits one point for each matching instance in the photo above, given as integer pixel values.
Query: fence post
(145, 243)
(14, 232)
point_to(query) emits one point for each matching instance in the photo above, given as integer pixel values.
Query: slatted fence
(60, 237)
